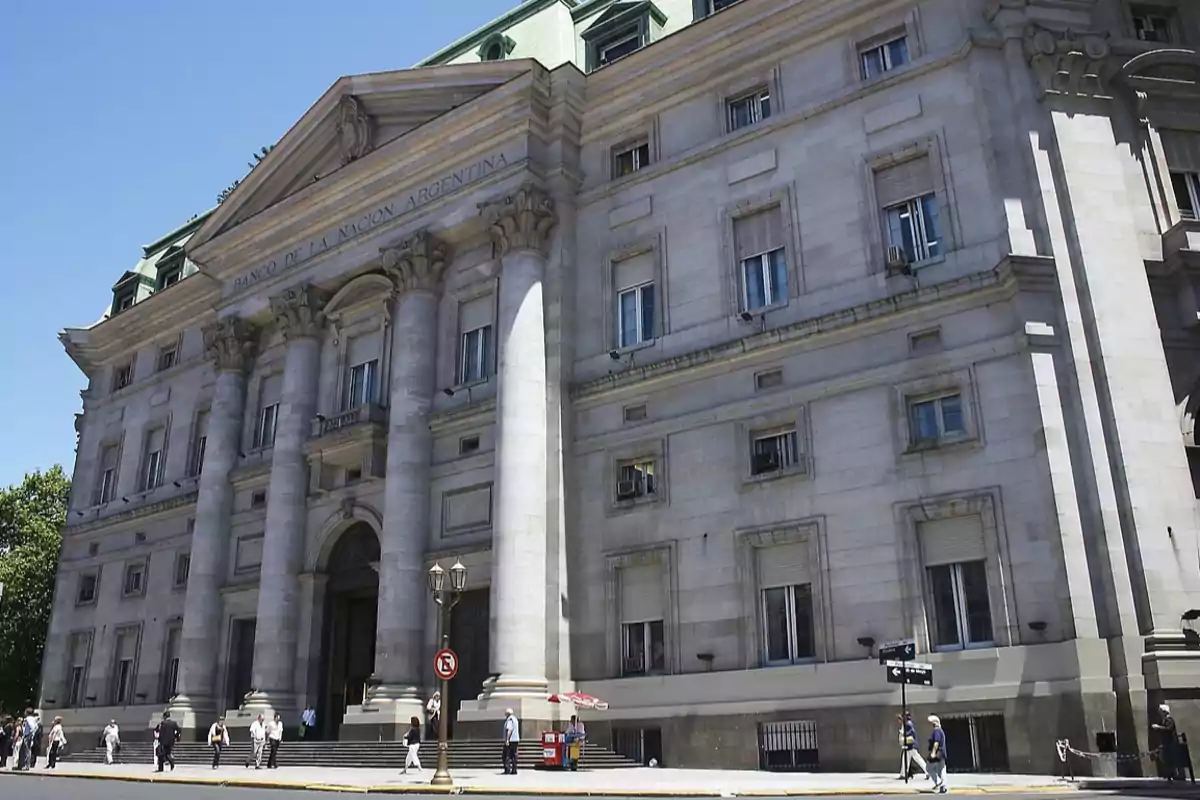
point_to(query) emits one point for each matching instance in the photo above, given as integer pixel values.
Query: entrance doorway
(348, 640)
(241, 662)
(469, 639)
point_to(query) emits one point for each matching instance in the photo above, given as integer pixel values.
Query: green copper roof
(527, 9)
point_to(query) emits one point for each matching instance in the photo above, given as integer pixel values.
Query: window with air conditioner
(912, 219)
(875, 60)
(1187, 193)
(788, 633)
(361, 384)
(936, 420)
(637, 478)
(759, 240)
(748, 109)
(774, 452)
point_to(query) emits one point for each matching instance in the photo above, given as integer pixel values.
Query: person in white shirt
(512, 737)
(112, 740)
(218, 740)
(434, 709)
(274, 739)
(58, 742)
(258, 738)
(308, 723)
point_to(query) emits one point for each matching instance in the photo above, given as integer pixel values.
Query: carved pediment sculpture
(356, 129)
(1067, 62)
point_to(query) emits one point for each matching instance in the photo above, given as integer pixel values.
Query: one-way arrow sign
(913, 673)
(898, 651)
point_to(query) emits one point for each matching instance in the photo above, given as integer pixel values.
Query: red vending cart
(553, 749)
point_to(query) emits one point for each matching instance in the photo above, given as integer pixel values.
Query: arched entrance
(348, 638)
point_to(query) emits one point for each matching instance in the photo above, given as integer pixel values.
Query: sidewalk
(639, 782)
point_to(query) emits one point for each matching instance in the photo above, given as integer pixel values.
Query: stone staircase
(467, 755)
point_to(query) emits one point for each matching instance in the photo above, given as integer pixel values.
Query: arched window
(496, 48)
(494, 52)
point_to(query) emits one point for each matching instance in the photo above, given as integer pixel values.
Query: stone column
(298, 313)
(401, 672)
(230, 344)
(521, 226)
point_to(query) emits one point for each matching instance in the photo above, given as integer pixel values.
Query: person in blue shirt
(937, 755)
(909, 754)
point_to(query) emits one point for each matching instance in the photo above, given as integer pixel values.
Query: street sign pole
(904, 757)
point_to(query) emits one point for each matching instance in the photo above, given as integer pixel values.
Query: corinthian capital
(416, 264)
(230, 343)
(524, 220)
(299, 311)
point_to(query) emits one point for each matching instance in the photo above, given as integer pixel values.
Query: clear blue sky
(124, 118)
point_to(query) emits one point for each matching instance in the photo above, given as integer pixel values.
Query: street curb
(426, 789)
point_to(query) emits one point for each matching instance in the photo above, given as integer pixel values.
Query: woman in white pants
(909, 754)
(112, 740)
(413, 740)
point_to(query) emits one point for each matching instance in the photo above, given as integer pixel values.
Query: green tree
(259, 156)
(32, 515)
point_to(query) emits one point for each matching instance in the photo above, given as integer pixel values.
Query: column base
(266, 703)
(528, 699)
(191, 714)
(383, 720)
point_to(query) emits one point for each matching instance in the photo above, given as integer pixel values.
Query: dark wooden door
(469, 636)
(241, 661)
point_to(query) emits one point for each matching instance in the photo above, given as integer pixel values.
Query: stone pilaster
(230, 343)
(298, 314)
(416, 266)
(521, 225)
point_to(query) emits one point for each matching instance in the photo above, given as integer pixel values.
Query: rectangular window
(643, 650)
(618, 45)
(125, 301)
(748, 109)
(183, 563)
(124, 681)
(360, 388)
(771, 379)
(168, 357)
(106, 485)
(637, 479)
(914, 226)
(152, 463)
(199, 444)
(468, 445)
(170, 679)
(476, 356)
(884, 58)
(122, 376)
(788, 624)
(85, 594)
(762, 265)
(718, 5)
(774, 452)
(75, 687)
(124, 656)
(135, 580)
(962, 615)
(264, 430)
(936, 420)
(1153, 24)
(635, 309)
(628, 159)
(1187, 193)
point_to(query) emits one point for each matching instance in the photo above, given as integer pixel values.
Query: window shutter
(363, 349)
(634, 271)
(128, 646)
(783, 565)
(949, 541)
(1182, 150)
(904, 181)
(475, 314)
(156, 440)
(109, 459)
(272, 390)
(641, 593)
(759, 233)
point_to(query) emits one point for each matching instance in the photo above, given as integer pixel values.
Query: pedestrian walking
(274, 740)
(258, 741)
(433, 709)
(909, 754)
(58, 743)
(308, 723)
(27, 754)
(413, 740)
(512, 738)
(1168, 745)
(6, 738)
(112, 740)
(937, 755)
(168, 735)
(35, 745)
(18, 741)
(218, 740)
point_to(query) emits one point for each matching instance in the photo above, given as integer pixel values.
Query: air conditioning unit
(767, 461)
(626, 490)
(897, 259)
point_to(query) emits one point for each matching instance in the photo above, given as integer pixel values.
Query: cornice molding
(1067, 62)
(148, 510)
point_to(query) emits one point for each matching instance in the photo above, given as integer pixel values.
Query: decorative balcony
(348, 446)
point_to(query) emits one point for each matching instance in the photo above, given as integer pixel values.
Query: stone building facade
(721, 345)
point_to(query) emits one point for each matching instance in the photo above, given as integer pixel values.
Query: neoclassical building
(721, 345)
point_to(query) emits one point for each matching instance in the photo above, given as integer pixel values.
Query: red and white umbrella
(580, 700)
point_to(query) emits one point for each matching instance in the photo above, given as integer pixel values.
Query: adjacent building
(722, 343)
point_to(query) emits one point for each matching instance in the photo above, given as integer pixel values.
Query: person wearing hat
(937, 755)
(1168, 753)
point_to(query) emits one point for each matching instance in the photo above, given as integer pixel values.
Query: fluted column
(521, 226)
(230, 343)
(416, 266)
(298, 314)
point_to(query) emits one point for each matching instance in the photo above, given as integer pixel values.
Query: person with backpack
(168, 734)
(218, 740)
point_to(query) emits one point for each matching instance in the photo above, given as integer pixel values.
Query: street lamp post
(446, 598)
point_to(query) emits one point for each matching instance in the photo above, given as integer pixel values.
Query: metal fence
(789, 746)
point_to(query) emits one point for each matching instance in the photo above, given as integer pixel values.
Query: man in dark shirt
(168, 735)
(937, 755)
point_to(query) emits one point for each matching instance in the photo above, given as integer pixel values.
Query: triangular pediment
(355, 118)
